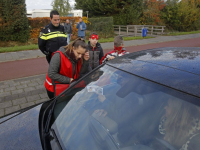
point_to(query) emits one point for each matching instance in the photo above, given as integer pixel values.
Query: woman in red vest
(68, 63)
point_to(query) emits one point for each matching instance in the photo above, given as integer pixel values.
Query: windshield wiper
(54, 137)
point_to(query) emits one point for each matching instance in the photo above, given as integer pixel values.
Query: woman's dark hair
(53, 12)
(76, 43)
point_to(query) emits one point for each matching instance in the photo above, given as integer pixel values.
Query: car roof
(175, 67)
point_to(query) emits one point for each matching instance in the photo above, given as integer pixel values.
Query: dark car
(147, 100)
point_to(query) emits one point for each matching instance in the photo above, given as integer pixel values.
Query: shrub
(13, 21)
(36, 24)
(103, 25)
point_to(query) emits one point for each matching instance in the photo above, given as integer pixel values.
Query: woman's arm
(54, 69)
(85, 67)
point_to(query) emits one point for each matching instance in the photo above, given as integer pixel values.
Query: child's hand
(86, 55)
(111, 57)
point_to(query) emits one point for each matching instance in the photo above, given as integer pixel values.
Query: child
(95, 50)
(119, 50)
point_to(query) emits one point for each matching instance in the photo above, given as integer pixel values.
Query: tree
(80, 4)
(62, 6)
(189, 15)
(123, 11)
(170, 15)
(13, 21)
(182, 15)
(128, 13)
(152, 12)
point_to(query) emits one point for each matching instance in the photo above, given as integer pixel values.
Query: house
(46, 13)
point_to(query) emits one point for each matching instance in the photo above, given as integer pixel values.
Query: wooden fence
(136, 30)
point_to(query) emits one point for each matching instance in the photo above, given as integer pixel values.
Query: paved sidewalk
(20, 93)
(21, 55)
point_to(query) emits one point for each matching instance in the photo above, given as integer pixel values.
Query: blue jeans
(68, 38)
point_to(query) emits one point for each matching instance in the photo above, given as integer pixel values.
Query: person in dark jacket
(52, 36)
(68, 30)
(95, 50)
(68, 63)
(81, 26)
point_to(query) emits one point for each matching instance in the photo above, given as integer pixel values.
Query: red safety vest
(66, 70)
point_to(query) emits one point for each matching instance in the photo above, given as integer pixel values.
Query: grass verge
(183, 33)
(35, 46)
(18, 48)
(125, 39)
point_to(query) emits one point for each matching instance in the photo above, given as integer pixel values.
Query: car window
(111, 109)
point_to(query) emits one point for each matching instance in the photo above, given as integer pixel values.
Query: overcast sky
(41, 4)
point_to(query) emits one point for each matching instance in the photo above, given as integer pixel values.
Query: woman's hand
(86, 55)
(71, 80)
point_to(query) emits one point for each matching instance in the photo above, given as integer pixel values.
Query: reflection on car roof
(173, 67)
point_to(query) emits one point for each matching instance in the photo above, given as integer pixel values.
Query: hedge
(103, 25)
(13, 21)
(36, 24)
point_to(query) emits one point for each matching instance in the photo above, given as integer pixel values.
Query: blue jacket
(81, 32)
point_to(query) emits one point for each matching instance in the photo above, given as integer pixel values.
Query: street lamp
(87, 13)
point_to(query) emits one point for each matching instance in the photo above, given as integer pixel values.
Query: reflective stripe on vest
(48, 82)
(52, 35)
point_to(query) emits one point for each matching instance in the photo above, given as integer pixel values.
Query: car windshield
(111, 109)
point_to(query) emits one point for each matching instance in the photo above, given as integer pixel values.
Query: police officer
(52, 36)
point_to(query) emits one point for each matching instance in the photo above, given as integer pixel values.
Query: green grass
(184, 33)
(18, 48)
(125, 39)
(35, 46)
(136, 38)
